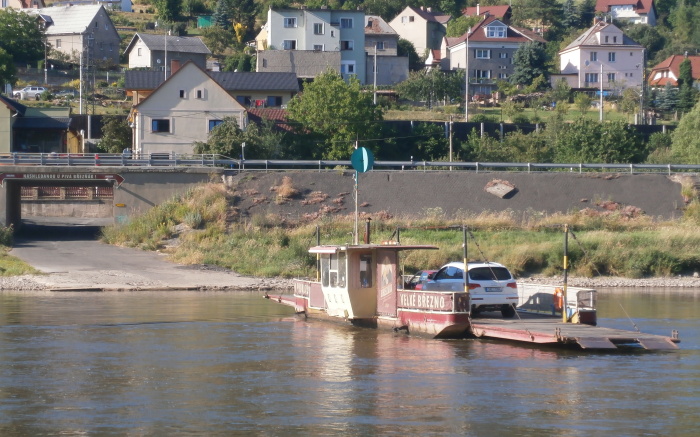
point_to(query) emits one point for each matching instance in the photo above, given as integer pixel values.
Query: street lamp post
(466, 78)
(243, 155)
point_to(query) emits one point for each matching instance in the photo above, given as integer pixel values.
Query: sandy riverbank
(211, 278)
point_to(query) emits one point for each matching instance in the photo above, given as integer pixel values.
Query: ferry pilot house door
(386, 283)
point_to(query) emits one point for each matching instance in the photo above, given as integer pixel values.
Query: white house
(423, 27)
(182, 110)
(156, 51)
(602, 57)
(635, 11)
(308, 41)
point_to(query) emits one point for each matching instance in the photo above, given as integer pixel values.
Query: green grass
(13, 266)
(267, 246)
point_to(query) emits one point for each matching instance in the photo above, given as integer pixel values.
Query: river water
(218, 363)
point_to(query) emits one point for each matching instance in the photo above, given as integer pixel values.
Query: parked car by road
(491, 286)
(416, 281)
(29, 93)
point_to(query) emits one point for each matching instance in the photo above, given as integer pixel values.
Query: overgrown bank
(204, 226)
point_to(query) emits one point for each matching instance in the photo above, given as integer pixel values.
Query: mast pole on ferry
(564, 317)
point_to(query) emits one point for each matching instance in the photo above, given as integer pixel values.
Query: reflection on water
(215, 363)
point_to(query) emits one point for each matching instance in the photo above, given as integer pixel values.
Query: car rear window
(489, 274)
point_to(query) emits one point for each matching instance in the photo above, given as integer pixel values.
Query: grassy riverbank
(201, 227)
(10, 265)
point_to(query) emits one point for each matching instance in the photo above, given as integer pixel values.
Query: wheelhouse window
(366, 280)
(333, 267)
(160, 125)
(290, 22)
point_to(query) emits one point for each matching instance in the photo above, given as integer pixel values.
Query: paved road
(69, 252)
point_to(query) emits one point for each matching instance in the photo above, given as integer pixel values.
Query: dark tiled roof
(277, 116)
(150, 80)
(13, 104)
(42, 123)
(183, 44)
(142, 79)
(256, 81)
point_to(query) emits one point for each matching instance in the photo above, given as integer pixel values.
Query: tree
(168, 10)
(592, 141)
(687, 95)
(571, 19)
(460, 26)
(221, 17)
(685, 144)
(630, 101)
(21, 37)
(8, 72)
(405, 48)
(262, 141)
(337, 113)
(582, 101)
(218, 40)
(431, 86)
(529, 61)
(116, 135)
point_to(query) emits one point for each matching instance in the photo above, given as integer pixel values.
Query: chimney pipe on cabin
(367, 230)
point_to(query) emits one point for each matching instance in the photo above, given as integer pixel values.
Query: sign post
(362, 160)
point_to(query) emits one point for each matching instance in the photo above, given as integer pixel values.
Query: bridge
(97, 191)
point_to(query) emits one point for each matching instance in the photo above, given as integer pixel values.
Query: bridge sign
(62, 177)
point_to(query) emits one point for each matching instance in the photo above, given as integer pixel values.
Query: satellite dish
(158, 61)
(586, 63)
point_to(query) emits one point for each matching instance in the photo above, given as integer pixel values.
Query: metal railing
(212, 160)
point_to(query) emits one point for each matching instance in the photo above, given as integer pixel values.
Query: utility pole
(466, 78)
(375, 73)
(601, 91)
(450, 142)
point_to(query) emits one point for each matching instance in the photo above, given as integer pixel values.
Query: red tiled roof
(513, 34)
(640, 6)
(673, 64)
(277, 116)
(496, 11)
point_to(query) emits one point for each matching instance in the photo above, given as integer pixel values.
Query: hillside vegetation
(203, 227)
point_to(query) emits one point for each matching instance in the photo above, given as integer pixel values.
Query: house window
(482, 54)
(591, 77)
(606, 39)
(96, 24)
(483, 74)
(503, 55)
(289, 44)
(614, 40)
(379, 45)
(274, 100)
(496, 31)
(160, 125)
(332, 33)
(214, 123)
(199, 94)
(318, 28)
(594, 56)
(58, 45)
(611, 56)
(290, 22)
(502, 76)
(346, 23)
(183, 94)
(318, 47)
(346, 45)
(138, 52)
(347, 67)
(407, 19)
(244, 100)
(611, 77)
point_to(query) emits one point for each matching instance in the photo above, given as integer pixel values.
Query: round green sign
(362, 159)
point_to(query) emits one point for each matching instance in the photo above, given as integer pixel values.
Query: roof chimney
(174, 66)
(478, 9)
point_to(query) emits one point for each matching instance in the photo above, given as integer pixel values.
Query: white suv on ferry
(491, 286)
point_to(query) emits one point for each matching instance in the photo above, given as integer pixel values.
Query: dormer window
(496, 31)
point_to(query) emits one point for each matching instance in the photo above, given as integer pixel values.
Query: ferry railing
(214, 160)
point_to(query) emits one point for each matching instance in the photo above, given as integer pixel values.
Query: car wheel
(507, 311)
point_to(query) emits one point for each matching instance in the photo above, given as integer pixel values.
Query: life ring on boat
(558, 298)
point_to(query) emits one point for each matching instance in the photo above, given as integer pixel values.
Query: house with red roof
(490, 46)
(669, 70)
(636, 11)
(501, 12)
(423, 27)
